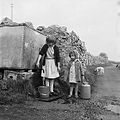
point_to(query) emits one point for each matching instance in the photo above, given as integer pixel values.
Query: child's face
(50, 44)
(72, 57)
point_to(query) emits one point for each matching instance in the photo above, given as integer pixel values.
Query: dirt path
(109, 84)
(107, 92)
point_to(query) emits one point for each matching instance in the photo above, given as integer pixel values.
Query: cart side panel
(33, 41)
(11, 47)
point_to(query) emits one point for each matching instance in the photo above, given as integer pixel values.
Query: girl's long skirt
(50, 69)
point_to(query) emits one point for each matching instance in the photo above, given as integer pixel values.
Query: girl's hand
(58, 68)
(83, 78)
(39, 57)
(37, 64)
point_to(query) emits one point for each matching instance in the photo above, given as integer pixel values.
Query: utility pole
(12, 11)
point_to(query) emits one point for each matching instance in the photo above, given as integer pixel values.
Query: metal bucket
(44, 91)
(85, 91)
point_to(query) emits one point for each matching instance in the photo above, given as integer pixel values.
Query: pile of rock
(8, 22)
(69, 41)
(66, 41)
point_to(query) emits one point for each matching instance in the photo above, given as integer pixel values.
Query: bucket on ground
(44, 91)
(85, 92)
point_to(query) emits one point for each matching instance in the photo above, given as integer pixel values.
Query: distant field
(114, 62)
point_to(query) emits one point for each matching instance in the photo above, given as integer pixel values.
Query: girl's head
(50, 40)
(74, 55)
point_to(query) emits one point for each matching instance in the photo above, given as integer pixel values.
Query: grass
(19, 91)
(90, 74)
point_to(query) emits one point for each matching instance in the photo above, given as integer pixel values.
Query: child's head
(50, 40)
(73, 55)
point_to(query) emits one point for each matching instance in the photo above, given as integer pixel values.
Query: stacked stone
(65, 41)
(8, 22)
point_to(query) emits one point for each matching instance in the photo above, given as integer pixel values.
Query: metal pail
(85, 92)
(44, 91)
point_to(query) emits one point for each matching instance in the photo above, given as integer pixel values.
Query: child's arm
(39, 57)
(58, 66)
(82, 72)
(66, 75)
(66, 72)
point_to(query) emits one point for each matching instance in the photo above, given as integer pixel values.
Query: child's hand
(58, 68)
(83, 78)
(65, 75)
(37, 64)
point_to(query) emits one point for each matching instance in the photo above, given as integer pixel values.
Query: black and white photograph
(59, 60)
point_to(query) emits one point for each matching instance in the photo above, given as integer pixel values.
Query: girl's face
(72, 57)
(50, 44)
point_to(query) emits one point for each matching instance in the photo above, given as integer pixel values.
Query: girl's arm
(81, 69)
(58, 66)
(41, 53)
(38, 61)
(66, 72)
(82, 72)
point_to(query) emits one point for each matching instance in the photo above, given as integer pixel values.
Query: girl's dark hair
(75, 53)
(71, 53)
(50, 39)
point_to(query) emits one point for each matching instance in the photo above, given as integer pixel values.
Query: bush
(8, 97)
(17, 91)
(91, 76)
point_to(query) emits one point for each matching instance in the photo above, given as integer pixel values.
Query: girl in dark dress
(51, 62)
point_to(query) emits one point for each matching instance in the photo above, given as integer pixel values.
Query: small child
(75, 72)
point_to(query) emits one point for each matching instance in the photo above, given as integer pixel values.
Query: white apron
(50, 69)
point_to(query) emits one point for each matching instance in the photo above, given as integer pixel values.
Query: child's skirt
(50, 69)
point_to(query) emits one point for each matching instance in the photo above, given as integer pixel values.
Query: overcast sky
(97, 22)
